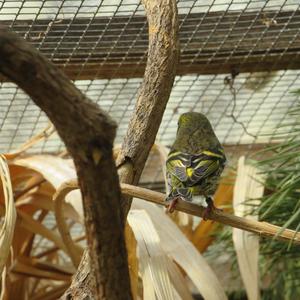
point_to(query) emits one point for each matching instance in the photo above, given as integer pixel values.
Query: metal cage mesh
(102, 46)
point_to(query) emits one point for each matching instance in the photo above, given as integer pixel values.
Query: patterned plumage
(196, 159)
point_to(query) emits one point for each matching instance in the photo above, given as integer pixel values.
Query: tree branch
(163, 53)
(88, 133)
(264, 229)
(261, 228)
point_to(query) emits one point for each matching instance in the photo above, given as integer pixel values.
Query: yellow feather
(189, 172)
(212, 154)
(173, 154)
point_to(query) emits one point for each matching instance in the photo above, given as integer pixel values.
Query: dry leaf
(246, 244)
(152, 259)
(182, 251)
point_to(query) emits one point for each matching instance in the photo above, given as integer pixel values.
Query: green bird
(195, 162)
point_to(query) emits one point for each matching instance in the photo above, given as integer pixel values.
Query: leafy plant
(281, 206)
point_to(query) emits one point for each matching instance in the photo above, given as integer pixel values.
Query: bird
(194, 163)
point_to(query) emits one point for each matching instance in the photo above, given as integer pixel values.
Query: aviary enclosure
(90, 96)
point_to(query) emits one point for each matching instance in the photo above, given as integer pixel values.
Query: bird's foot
(210, 207)
(172, 205)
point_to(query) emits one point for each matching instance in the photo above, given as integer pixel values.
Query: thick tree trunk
(88, 133)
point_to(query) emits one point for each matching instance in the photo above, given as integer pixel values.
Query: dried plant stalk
(45, 133)
(7, 229)
(246, 244)
(74, 251)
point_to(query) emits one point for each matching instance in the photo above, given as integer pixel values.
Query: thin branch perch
(260, 228)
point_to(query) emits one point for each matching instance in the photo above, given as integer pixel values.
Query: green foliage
(281, 206)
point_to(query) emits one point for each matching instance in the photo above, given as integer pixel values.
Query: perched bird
(195, 162)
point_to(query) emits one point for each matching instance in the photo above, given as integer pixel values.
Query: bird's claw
(210, 208)
(172, 205)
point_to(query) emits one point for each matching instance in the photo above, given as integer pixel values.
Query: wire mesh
(102, 46)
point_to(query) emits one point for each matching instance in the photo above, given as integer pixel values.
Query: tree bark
(83, 282)
(88, 133)
(163, 55)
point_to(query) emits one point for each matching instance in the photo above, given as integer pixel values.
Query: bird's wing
(205, 164)
(177, 163)
(193, 168)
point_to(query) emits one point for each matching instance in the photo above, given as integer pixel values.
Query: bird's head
(194, 133)
(193, 120)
